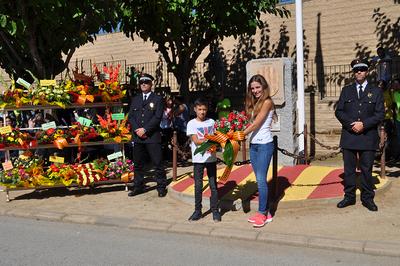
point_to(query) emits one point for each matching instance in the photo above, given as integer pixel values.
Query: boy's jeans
(260, 157)
(198, 169)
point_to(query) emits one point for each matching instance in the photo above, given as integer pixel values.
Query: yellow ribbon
(222, 139)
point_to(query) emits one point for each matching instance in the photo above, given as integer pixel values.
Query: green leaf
(3, 20)
(228, 154)
(205, 146)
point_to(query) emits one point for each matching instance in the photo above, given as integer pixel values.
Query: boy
(197, 128)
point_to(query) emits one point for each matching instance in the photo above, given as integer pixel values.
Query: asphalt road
(31, 242)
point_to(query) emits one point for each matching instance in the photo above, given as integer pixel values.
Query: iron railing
(328, 81)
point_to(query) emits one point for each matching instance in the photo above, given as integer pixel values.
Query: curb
(365, 247)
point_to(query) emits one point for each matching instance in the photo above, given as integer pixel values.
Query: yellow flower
(102, 86)
(68, 85)
(114, 85)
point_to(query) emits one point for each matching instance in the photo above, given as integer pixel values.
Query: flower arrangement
(83, 133)
(53, 135)
(81, 93)
(235, 121)
(228, 134)
(17, 138)
(14, 97)
(61, 174)
(109, 87)
(120, 169)
(27, 172)
(52, 95)
(114, 130)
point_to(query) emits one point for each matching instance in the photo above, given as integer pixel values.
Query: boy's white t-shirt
(200, 129)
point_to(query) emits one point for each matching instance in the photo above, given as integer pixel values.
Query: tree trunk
(182, 76)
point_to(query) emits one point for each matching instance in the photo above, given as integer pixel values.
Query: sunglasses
(360, 69)
(145, 82)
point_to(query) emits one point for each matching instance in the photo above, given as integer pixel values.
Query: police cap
(146, 77)
(359, 63)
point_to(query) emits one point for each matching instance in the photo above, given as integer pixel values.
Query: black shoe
(216, 216)
(195, 216)
(135, 191)
(346, 202)
(370, 205)
(162, 192)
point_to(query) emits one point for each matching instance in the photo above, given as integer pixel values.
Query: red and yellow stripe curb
(299, 182)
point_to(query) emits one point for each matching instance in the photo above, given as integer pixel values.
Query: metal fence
(163, 78)
(329, 80)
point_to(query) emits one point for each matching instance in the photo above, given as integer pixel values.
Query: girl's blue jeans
(260, 157)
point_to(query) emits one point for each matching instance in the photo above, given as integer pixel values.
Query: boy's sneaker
(216, 216)
(253, 218)
(195, 216)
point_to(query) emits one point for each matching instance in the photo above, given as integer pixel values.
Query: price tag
(47, 82)
(24, 83)
(106, 76)
(56, 159)
(49, 125)
(7, 165)
(114, 155)
(118, 116)
(84, 121)
(5, 130)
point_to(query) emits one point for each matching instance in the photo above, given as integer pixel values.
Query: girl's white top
(263, 135)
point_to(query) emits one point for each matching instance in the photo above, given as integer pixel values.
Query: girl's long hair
(253, 105)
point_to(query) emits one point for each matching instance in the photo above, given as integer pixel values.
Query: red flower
(54, 168)
(50, 131)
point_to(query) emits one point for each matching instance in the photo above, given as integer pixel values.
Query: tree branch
(10, 47)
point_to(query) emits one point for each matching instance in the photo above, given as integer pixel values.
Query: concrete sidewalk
(314, 223)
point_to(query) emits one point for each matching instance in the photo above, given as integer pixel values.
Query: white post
(300, 71)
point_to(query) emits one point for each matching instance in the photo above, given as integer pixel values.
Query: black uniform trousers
(155, 154)
(366, 161)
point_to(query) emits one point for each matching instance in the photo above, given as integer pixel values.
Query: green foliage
(182, 29)
(42, 35)
(205, 146)
(228, 154)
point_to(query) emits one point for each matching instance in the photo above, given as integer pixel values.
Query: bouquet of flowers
(109, 87)
(61, 174)
(59, 137)
(120, 170)
(228, 134)
(52, 94)
(114, 130)
(27, 172)
(17, 138)
(83, 133)
(81, 93)
(14, 97)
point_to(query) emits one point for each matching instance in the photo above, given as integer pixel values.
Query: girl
(260, 109)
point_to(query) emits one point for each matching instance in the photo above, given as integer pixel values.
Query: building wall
(343, 24)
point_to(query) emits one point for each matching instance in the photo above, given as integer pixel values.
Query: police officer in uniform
(145, 114)
(360, 110)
